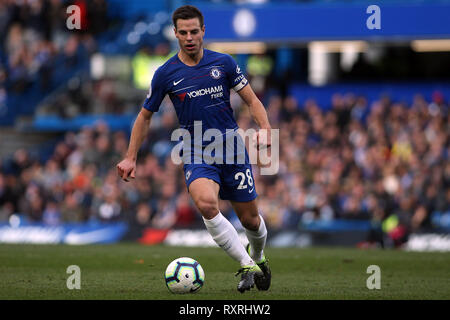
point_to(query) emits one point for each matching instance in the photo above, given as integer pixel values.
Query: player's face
(190, 35)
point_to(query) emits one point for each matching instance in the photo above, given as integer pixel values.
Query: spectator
(51, 215)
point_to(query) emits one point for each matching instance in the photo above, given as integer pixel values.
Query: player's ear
(175, 28)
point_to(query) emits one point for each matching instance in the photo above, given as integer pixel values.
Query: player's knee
(250, 222)
(208, 207)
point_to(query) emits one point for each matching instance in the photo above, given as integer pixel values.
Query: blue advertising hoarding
(70, 233)
(307, 22)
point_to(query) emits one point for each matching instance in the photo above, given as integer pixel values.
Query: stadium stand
(364, 157)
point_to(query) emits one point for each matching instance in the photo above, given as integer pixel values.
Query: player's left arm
(259, 114)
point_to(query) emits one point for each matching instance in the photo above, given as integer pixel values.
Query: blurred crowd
(78, 183)
(35, 40)
(383, 162)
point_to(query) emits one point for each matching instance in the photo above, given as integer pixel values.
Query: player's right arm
(127, 167)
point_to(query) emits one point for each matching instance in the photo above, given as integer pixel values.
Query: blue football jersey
(198, 93)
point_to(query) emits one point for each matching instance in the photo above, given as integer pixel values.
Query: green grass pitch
(132, 271)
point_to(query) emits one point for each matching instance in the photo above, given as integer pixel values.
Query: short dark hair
(187, 12)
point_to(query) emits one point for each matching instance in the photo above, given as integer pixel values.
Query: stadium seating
(363, 158)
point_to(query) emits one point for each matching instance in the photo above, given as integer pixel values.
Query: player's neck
(190, 60)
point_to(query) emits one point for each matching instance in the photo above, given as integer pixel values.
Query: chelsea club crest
(215, 73)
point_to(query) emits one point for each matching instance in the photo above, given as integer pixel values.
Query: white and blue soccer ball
(184, 275)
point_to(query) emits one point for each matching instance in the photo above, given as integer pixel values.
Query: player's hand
(262, 139)
(126, 169)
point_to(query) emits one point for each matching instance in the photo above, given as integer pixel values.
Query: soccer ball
(184, 275)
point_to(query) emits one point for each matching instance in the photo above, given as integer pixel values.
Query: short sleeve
(236, 78)
(156, 93)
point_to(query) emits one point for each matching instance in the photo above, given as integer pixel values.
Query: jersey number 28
(241, 176)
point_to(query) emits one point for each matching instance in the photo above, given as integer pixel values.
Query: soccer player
(198, 82)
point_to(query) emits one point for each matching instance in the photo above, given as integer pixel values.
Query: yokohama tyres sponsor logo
(202, 92)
